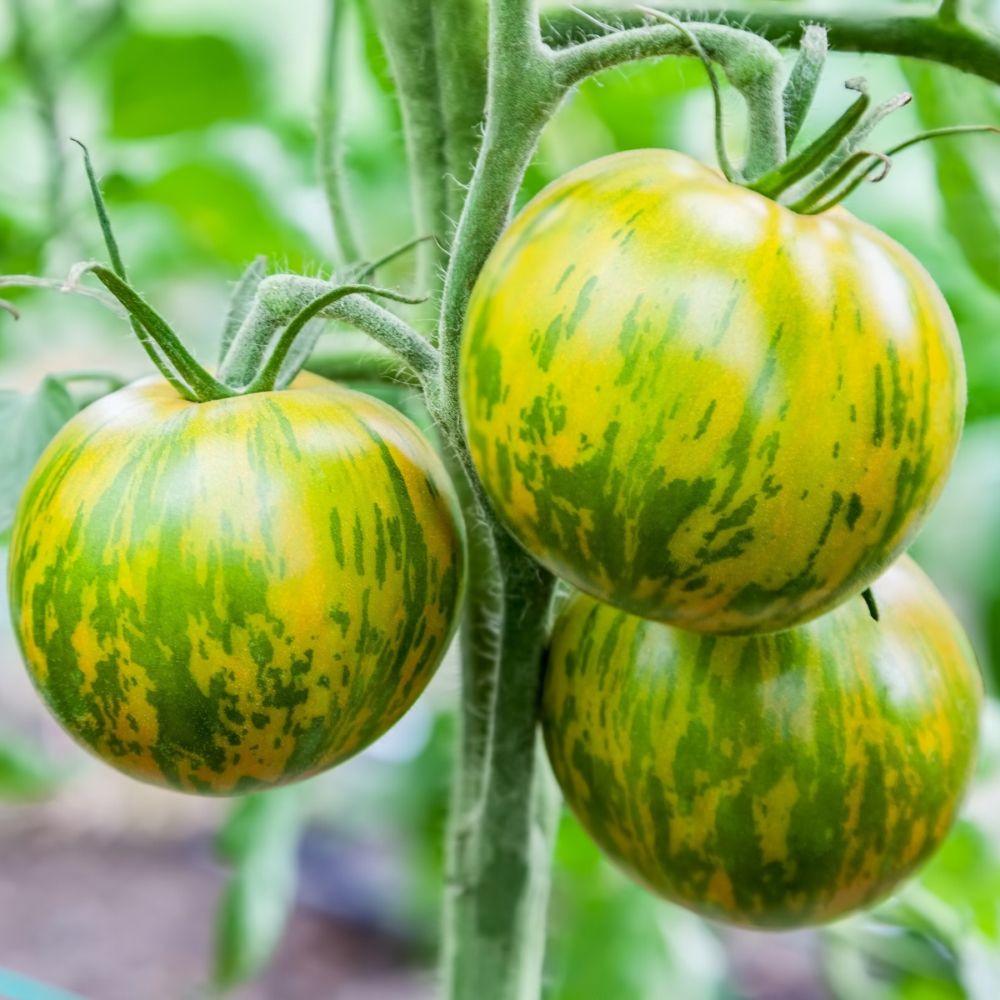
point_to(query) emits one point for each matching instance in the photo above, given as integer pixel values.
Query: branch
(329, 149)
(752, 64)
(282, 297)
(55, 285)
(362, 365)
(495, 952)
(411, 348)
(896, 30)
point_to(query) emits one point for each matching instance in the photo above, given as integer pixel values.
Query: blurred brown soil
(114, 919)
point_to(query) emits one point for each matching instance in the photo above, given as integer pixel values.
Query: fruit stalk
(894, 30)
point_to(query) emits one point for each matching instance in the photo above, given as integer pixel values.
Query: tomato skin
(700, 407)
(774, 780)
(220, 597)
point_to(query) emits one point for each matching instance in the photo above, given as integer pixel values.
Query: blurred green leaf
(25, 773)
(610, 938)
(161, 84)
(261, 841)
(965, 875)
(964, 170)
(29, 421)
(224, 216)
(19, 248)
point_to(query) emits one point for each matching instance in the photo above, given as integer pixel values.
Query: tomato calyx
(833, 165)
(267, 357)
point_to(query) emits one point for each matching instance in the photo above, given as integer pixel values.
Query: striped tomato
(225, 596)
(769, 780)
(701, 407)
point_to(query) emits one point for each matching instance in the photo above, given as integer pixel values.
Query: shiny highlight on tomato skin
(771, 781)
(700, 407)
(227, 596)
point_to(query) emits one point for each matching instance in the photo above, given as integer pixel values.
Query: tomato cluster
(718, 419)
(721, 421)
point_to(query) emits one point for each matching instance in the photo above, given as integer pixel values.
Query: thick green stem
(894, 30)
(480, 645)
(498, 855)
(491, 950)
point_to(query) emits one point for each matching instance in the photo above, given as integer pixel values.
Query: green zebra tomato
(769, 780)
(703, 408)
(226, 596)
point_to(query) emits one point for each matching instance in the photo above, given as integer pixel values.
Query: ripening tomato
(768, 780)
(701, 407)
(230, 595)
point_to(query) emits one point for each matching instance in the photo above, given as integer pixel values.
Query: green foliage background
(201, 115)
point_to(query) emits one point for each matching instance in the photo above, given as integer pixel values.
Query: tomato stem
(241, 302)
(725, 164)
(494, 947)
(894, 29)
(280, 302)
(418, 353)
(752, 65)
(177, 365)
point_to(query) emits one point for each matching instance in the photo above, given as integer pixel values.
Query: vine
(942, 34)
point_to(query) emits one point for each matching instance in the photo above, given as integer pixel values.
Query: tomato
(768, 780)
(225, 596)
(701, 407)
